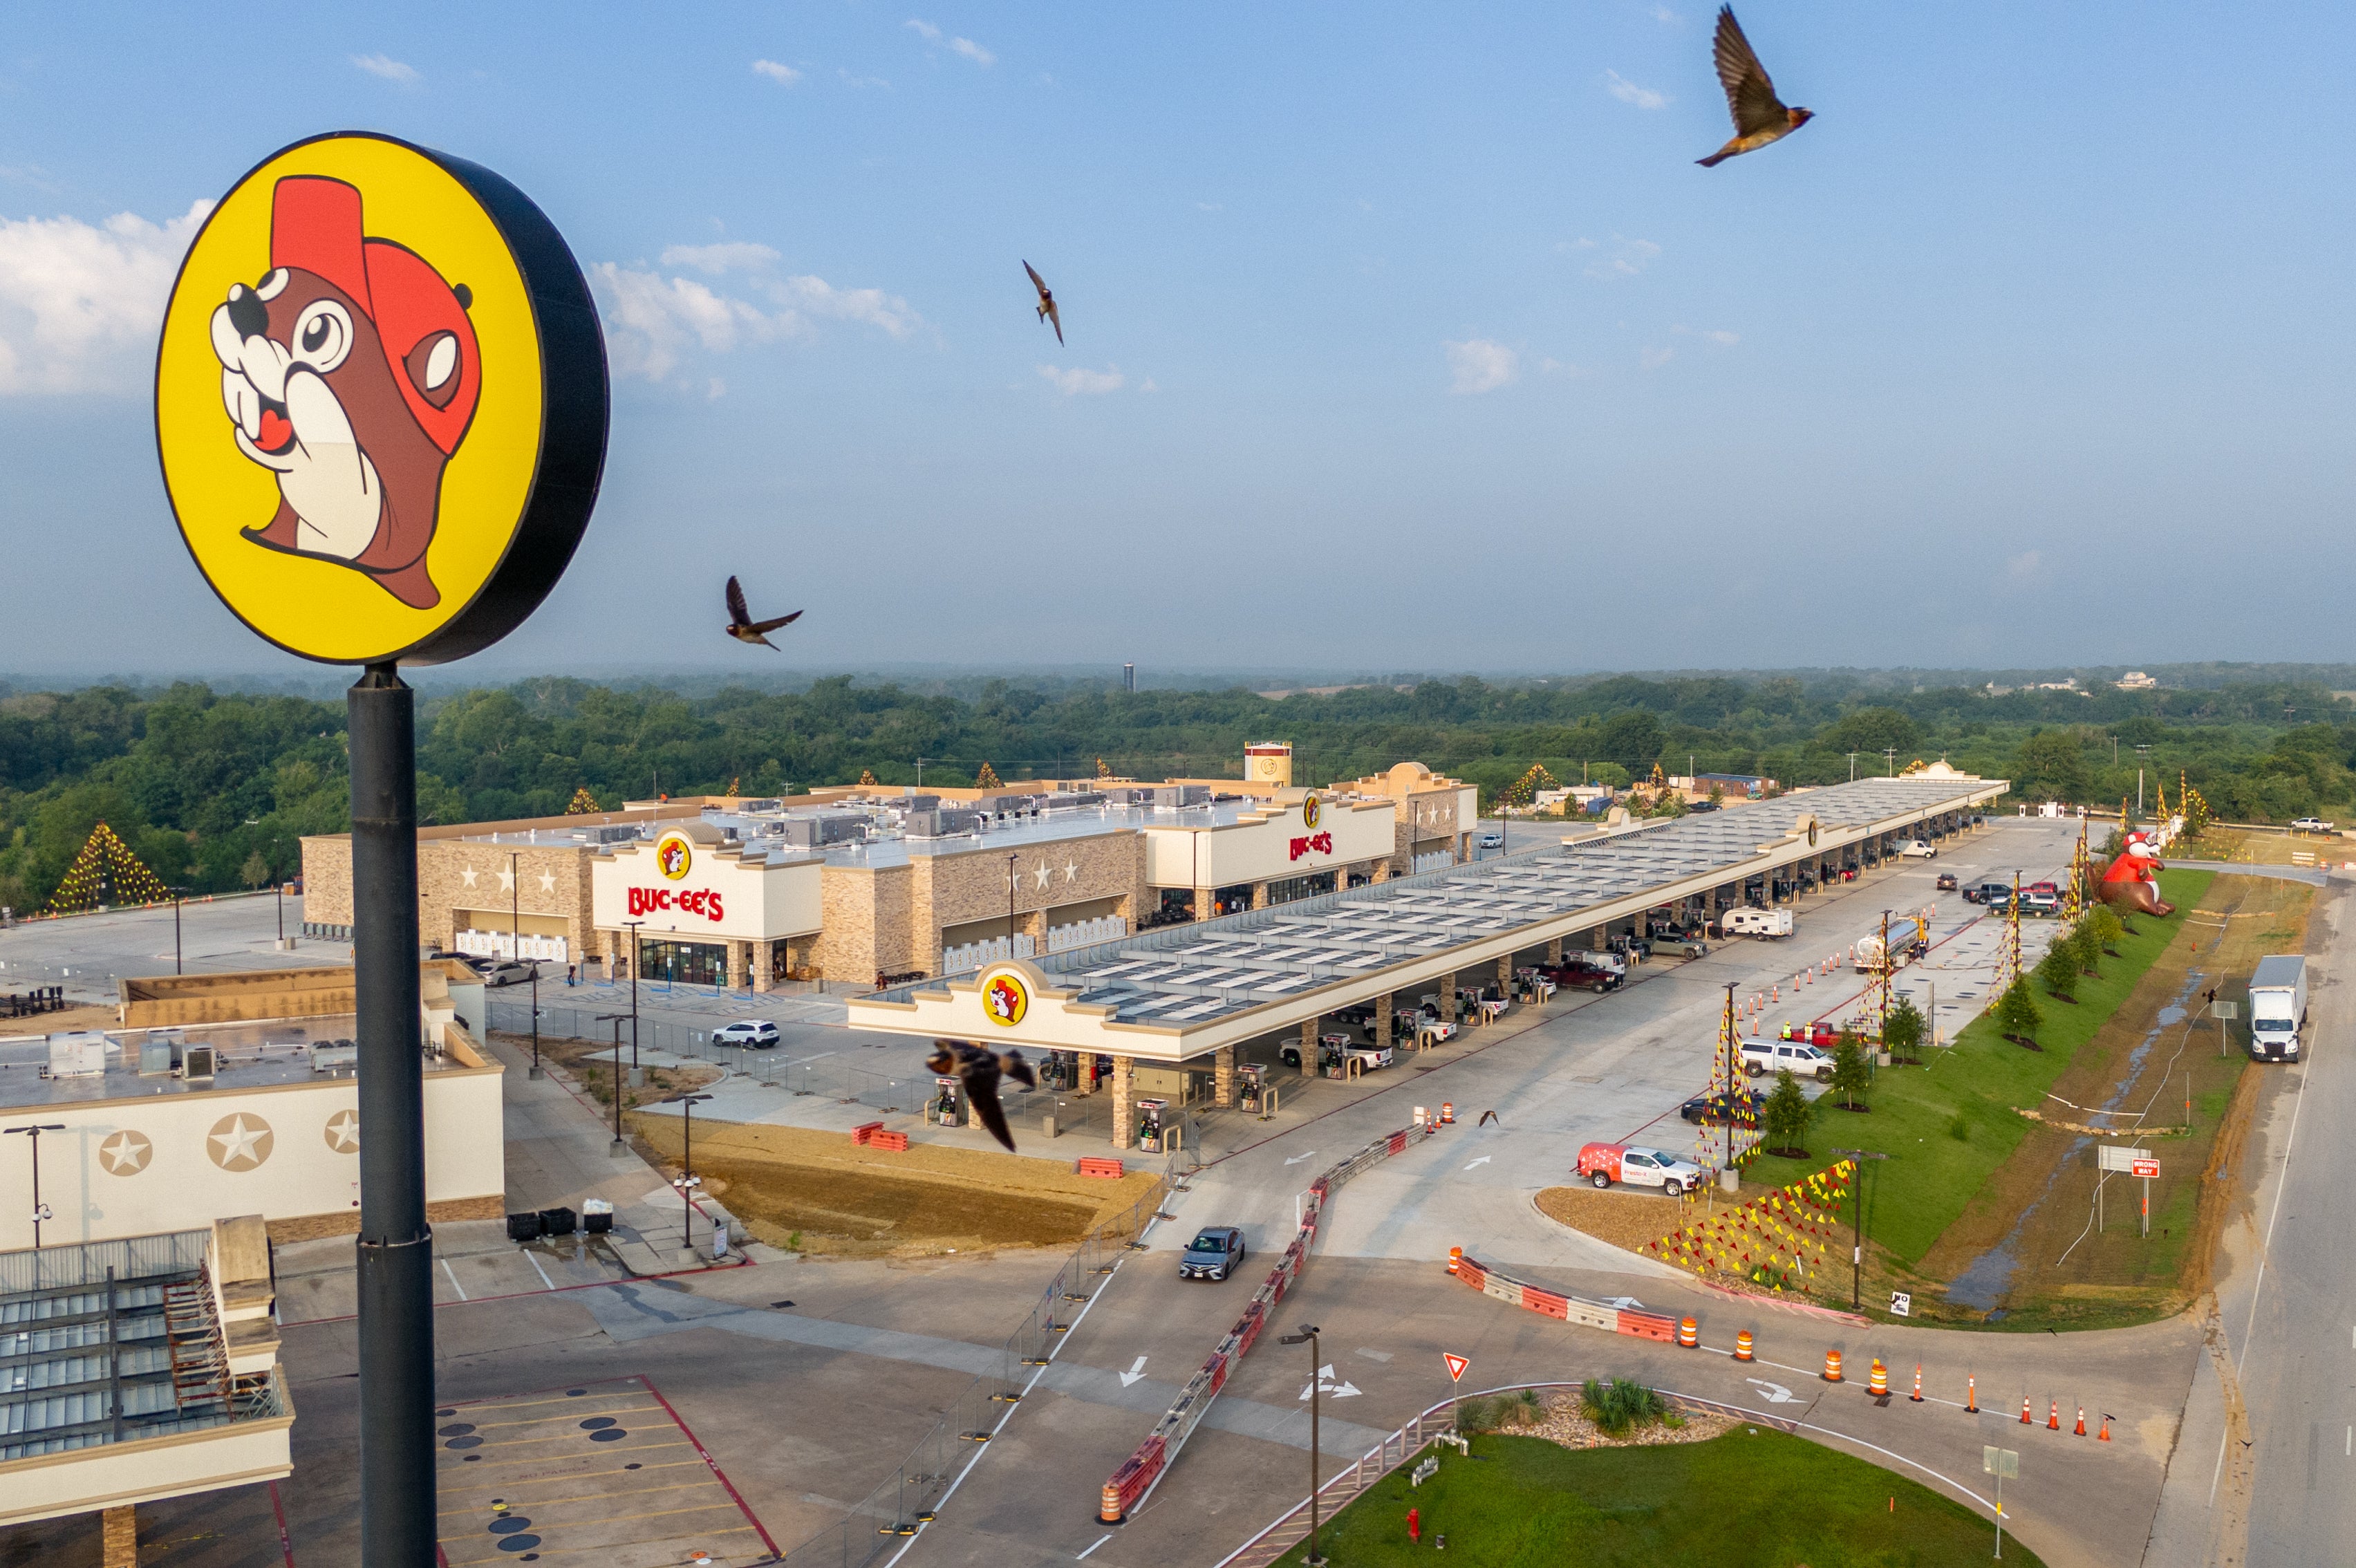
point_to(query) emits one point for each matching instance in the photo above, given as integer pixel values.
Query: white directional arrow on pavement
(1773, 1393)
(1482, 1161)
(1136, 1370)
(1326, 1384)
(1299, 1157)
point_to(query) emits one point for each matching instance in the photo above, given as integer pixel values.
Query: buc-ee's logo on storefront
(381, 402)
(1321, 843)
(673, 856)
(1005, 998)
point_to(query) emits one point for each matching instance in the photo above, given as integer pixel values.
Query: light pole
(618, 1147)
(2141, 752)
(1307, 1336)
(40, 1212)
(278, 902)
(1852, 767)
(1892, 753)
(1010, 903)
(176, 893)
(1857, 1228)
(687, 1182)
(637, 953)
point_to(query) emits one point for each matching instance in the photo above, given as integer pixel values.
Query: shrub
(1785, 1115)
(2017, 1014)
(2058, 970)
(1905, 1030)
(1850, 1071)
(2105, 925)
(1960, 1129)
(1621, 1406)
(1475, 1415)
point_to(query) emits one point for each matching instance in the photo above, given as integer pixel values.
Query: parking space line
(581, 1497)
(536, 1268)
(451, 1274)
(555, 1475)
(601, 1546)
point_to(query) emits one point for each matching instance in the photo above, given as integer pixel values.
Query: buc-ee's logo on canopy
(1005, 998)
(381, 402)
(673, 856)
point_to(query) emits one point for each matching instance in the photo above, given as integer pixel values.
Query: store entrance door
(688, 963)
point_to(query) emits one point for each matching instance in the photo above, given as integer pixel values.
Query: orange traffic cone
(1743, 1343)
(1832, 1366)
(1971, 1394)
(2081, 1421)
(2026, 1419)
(1455, 1256)
(1688, 1333)
(1917, 1397)
(2104, 1436)
(2053, 1422)
(1877, 1381)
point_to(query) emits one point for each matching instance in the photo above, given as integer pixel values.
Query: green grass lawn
(1913, 1196)
(1737, 1501)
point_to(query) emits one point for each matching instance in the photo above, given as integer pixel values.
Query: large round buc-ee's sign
(380, 402)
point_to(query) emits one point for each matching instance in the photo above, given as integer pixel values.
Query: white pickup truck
(1761, 1058)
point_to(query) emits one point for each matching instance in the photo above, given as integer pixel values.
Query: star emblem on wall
(1044, 873)
(125, 1154)
(343, 1131)
(239, 1142)
(507, 881)
(1071, 870)
(466, 875)
(548, 881)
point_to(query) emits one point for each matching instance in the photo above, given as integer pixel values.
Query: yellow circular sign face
(673, 856)
(1309, 812)
(1005, 998)
(354, 405)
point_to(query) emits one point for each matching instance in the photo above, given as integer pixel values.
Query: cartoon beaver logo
(1005, 1000)
(672, 857)
(350, 372)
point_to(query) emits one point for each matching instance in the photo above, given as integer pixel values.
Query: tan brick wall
(956, 889)
(327, 880)
(867, 923)
(442, 889)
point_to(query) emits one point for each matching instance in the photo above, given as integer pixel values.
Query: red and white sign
(2144, 1168)
(703, 901)
(1456, 1365)
(1321, 843)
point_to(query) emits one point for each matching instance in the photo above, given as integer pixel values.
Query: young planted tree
(1851, 1072)
(2086, 947)
(255, 871)
(2105, 927)
(1784, 1116)
(1905, 1031)
(2058, 970)
(2017, 1014)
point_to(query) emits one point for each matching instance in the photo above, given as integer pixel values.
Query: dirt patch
(817, 1192)
(588, 1066)
(1626, 1219)
(2160, 1057)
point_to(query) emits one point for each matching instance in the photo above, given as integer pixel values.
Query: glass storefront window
(688, 963)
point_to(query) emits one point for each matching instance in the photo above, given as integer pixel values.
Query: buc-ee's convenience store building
(863, 886)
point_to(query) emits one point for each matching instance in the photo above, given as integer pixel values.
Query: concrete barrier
(1576, 1309)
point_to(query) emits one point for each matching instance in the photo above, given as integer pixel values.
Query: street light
(176, 893)
(637, 953)
(1892, 753)
(1857, 1228)
(40, 1212)
(687, 1182)
(1010, 903)
(1307, 1336)
(619, 1146)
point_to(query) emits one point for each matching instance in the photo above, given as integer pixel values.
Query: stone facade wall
(955, 889)
(867, 923)
(555, 886)
(327, 880)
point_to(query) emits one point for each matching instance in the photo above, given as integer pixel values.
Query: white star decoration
(343, 1132)
(507, 881)
(1071, 870)
(548, 881)
(466, 876)
(125, 1154)
(1044, 872)
(241, 1141)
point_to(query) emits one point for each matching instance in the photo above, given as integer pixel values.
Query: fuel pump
(1149, 1124)
(947, 1108)
(1254, 1084)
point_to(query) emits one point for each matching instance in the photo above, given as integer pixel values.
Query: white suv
(758, 1033)
(1762, 1056)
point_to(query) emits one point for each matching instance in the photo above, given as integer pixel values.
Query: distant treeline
(213, 792)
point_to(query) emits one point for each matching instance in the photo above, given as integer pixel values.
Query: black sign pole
(396, 1246)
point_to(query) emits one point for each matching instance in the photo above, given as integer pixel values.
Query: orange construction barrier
(1098, 1165)
(1832, 1367)
(1917, 1396)
(2026, 1419)
(2053, 1422)
(1742, 1346)
(1971, 1394)
(1455, 1257)
(2104, 1436)
(1447, 1113)
(1688, 1333)
(2081, 1421)
(1877, 1379)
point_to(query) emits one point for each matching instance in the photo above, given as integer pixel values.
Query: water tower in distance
(1269, 762)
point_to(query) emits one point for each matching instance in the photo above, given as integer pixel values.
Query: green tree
(2104, 926)
(2085, 947)
(1851, 1072)
(255, 871)
(2058, 970)
(1902, 1032)
(1871, 731)
(2051, 766)
(2016, 1012)
(1784, 1116)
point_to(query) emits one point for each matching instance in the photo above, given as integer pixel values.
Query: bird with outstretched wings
(741, 623)
(1759, 117)
(1048, 311)
(980, 1071)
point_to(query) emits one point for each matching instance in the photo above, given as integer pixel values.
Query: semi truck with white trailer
(2277, 1007)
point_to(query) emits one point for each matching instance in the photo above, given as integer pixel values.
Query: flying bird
(1487, 1117)
(980, 1071)
(1046, 300)
(1760, 116)
(741, 623)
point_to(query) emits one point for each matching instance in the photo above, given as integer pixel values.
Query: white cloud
(390, 69)
(653, 322)
(80, 304)
(1654, 359)
(1210, 206)
(785, 75)
(1627, 91)
(1077, 382)
(857, 81)
(717, 259)
(1622, 258)
(1723, 339)
(966, 47)
(1478, 365)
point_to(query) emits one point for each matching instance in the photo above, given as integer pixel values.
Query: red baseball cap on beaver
(314, 224)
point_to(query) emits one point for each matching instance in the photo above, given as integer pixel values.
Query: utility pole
(176, 893)
(1857, 1228)
(1307, 1336)
(40, 1211)
(619, 1146)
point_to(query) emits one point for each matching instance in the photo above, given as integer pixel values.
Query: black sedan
(1946, 882)
(1737, 1108)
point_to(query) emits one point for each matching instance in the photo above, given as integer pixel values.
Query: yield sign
(1456, 1365)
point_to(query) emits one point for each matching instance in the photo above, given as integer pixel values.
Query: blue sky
(1399, 336)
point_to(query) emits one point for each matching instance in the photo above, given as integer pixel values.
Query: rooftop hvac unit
(813, 829)
(939, 824)
(611, 833)
(198, 1062)
(80, 1054)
